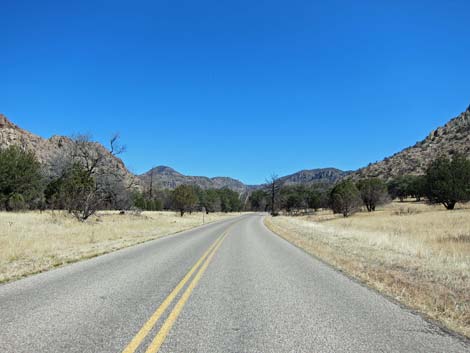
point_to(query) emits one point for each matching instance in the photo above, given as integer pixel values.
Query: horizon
(223, 176)
(238, 90)
(167, 166)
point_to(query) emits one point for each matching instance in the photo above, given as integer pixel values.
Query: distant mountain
(454, 137)
(326, 176)
(167, 178)
(49, 151)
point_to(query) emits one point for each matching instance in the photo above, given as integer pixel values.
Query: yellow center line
(140, 336)
(170, 321)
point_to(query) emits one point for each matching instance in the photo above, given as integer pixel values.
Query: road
(231, 286)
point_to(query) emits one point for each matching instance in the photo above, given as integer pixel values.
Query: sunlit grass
(32, 242)
(419, 254)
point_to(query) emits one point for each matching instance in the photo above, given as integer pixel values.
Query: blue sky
(238, 88)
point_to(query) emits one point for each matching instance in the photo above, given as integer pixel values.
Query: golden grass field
(33, 242)
(416, 253)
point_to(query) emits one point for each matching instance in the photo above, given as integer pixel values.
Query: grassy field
(416, 253)
(33, 242)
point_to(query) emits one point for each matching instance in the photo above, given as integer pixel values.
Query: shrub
(184, 198)
(20, 178)
(448, 181)
(17, 203)
(373, 192)
(345, 198)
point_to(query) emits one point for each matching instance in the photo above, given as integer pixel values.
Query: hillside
(167, 178)
(50, 151)
(454, 137)
(325, 176)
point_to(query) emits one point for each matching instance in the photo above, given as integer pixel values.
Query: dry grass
(416, 253)
(33, 242)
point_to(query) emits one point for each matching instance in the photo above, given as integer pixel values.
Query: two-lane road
(231, 286)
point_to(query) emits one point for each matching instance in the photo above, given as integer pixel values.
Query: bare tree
(274, 188)
(151, 183)
(91, 177)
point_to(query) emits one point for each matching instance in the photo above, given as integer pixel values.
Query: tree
(417, 186)
(293, 198)
(184, 198)
(373, 192)
(20, 178)
(150, 193)
(345, 198)
(258, 200)
(229, 200)
(273, 187)
(211, 201)
(399, 187)
(166, 198)
(314, 199)
(142, 201)
(87, 179)
(79, 191)
(448, 181)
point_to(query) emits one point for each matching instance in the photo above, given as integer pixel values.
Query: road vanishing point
(230, 286)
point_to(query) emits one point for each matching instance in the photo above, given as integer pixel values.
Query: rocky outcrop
(167, 178)
(50, 151)
(325, 176)
(454, 137)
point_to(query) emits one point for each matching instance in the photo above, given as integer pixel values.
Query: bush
(184, 198)
(20, 178)
(17, 203)
(399, 187)
(345, 198)
(448, 181)
(373, 192)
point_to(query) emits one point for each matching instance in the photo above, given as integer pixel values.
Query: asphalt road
(231, 286)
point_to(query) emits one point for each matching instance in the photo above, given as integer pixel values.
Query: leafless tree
(273, 186)
(151, 183)
(92, 177)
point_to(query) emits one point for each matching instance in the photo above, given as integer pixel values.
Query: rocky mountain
(454, 137)
(327, 176)
(50, 151)
(167, 178)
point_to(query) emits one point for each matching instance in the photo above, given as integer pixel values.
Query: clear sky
(237, 88)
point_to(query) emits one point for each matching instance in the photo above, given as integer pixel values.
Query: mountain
(50, 151)
(454, 137)
(327, 176)
(167, 178)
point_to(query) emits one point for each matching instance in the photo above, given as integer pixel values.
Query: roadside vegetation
(33, 241)
(446, 183)
(81, 181)
(81, 205)
(417, 253)
(415, 248)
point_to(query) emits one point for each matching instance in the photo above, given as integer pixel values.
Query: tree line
(189, 198)
(446, 181)
(83, 179)
(79, 179)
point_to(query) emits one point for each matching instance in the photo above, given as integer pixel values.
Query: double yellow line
(200, 266)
